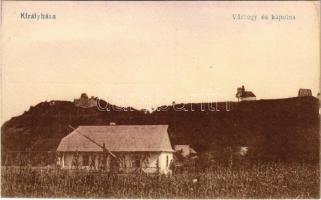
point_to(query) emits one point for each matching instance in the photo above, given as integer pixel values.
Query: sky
(147, 54)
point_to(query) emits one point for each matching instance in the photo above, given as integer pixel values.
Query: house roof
(247, 94)
(121, 138)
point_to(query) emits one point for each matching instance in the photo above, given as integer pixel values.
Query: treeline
(280, 129)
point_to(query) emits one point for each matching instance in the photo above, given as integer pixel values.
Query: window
(85, 160)
(166, 161)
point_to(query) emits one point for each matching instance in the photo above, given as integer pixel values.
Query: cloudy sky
(146, 54)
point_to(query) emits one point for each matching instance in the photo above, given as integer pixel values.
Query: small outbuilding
(185, 151)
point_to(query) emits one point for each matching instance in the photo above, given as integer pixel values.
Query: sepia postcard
(160, 99)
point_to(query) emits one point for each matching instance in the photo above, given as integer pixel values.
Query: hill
(279, 129)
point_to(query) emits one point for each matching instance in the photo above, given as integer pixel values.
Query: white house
(123, 148)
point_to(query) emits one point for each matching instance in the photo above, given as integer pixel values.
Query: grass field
(259, 181)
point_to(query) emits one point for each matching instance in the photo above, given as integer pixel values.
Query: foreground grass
(260, 181)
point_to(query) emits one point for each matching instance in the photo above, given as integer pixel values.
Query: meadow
(257, 181)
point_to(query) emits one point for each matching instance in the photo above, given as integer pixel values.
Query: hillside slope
(282, 129)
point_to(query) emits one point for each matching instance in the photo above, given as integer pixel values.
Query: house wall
(148, 161)
(165, 159)
(66, 161)
(248, 98)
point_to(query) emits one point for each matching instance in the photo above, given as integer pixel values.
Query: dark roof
(247, 94)
(121, 138)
